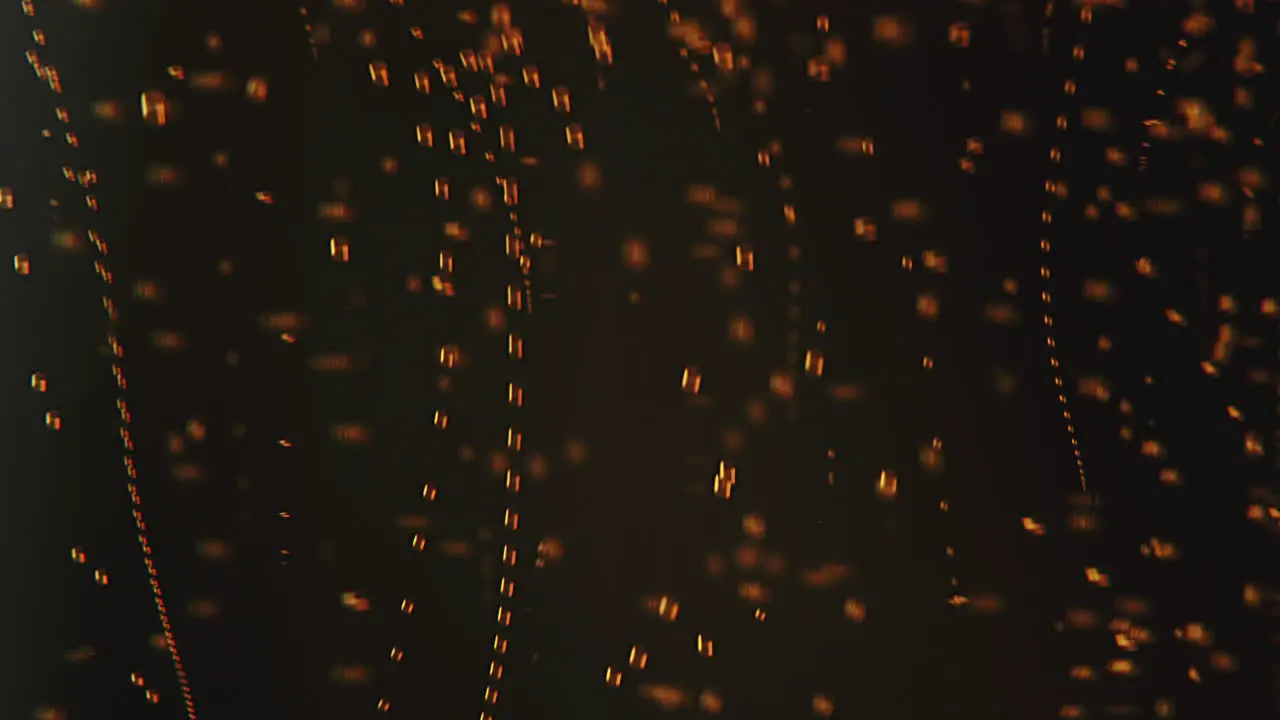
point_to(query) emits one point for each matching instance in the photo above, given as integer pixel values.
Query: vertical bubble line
(1046, 251)
(1055, 188)
(693, 40)
(311, 31)
(50, 75)
(519, 306)
(1045, 258)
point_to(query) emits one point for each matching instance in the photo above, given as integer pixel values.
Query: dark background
(201, 268)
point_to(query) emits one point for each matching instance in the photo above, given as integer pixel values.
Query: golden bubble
(635, 254)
